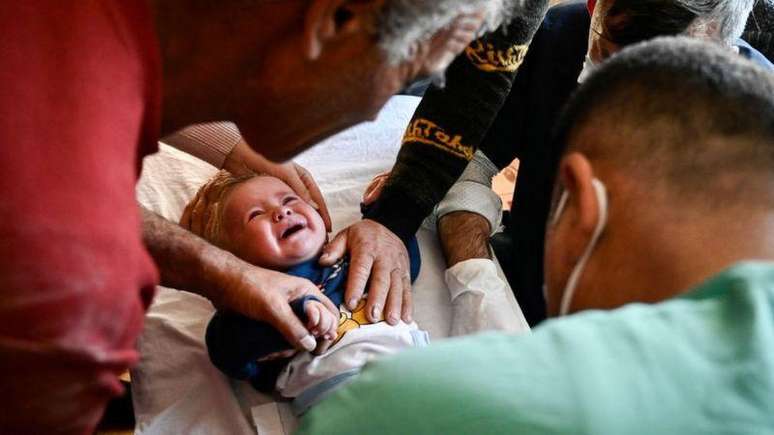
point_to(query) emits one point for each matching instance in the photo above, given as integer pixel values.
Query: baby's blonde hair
(203, 215)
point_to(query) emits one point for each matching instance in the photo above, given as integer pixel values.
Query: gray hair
(723, 19)
(406, 23)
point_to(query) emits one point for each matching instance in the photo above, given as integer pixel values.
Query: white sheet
(175, 387)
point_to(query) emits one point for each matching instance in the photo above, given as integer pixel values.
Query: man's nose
(281, 213)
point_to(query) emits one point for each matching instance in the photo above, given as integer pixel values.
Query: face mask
(589, 66)
(572, 282)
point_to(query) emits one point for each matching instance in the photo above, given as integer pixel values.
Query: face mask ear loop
(554, 220)
(572, 282)
(560, 208)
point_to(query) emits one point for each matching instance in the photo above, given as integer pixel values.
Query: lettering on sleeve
(486, 57)
(427, 132)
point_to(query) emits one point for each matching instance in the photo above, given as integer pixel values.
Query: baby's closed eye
(254, 214)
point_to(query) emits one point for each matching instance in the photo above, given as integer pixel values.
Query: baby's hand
(322, 323)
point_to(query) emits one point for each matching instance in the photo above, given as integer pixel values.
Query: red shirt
(79, 108)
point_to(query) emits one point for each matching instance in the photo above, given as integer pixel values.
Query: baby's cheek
(261, 249)
(319, 228)
(314, 244)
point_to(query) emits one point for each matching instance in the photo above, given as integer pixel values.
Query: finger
(373, 194)
(377, 292)
(186, 219)
(292, 177)
(392, 309)
(407, 307)
(377, 180)
(200, 216)
(322, 347)
(332, 331)
(371, 187)
(375, 190)
(313, 315)
(295, 182)
(359, 271)
(316, 292)
(197, 226)
(282, 317)
(322, 328)
(334, 250)
(326, 323)
(316, 196)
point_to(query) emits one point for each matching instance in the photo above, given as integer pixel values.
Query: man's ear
(577, 177)
(327, 19)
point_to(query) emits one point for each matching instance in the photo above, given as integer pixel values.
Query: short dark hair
(685, 112)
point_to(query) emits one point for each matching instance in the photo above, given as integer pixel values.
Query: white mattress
(175, 387)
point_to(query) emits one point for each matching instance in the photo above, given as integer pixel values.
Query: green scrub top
(702, 363)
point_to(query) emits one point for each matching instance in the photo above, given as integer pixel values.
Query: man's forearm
(186, 261)
(464, 236)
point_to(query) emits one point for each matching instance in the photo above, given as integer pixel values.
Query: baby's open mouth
(292, 230)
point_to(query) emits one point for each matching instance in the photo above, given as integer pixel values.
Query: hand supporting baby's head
(258, 218)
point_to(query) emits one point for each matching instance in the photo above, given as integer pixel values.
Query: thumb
(298, 186)
(291, 328)
(371, 196)
(374, 191)
(334, 250)
(315, 195)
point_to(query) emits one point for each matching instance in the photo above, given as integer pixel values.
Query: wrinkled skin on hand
(264, 295)
(378, 258)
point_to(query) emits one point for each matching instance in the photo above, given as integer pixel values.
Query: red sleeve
(79, 107)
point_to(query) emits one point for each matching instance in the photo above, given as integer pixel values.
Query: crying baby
(261, 220)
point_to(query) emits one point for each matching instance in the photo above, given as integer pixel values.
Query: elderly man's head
(668, 175)
(617, 23)
(291, 72)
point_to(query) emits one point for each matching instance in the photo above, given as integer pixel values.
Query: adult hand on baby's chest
(377, 257)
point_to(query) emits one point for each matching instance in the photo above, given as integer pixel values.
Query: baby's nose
(281, 212)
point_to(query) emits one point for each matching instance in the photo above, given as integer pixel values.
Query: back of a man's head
(691, 119)
(668, 175)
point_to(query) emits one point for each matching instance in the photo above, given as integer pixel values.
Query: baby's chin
(311, 255)
(296, 257)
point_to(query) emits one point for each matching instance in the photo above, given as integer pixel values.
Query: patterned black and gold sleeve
(450, 122)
